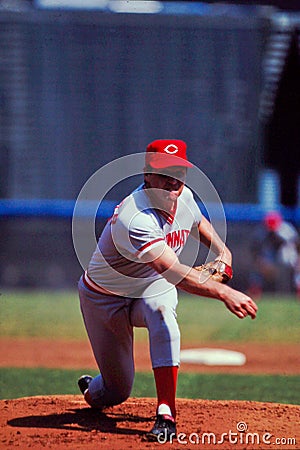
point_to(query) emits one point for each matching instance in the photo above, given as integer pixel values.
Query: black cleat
(164, 429)
(84, 382)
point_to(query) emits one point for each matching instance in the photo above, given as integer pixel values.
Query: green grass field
(15, 383)
(56, 315)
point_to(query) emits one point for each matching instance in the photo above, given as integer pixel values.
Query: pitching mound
(64, 422)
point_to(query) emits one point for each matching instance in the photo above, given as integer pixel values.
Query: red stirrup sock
(166, 383)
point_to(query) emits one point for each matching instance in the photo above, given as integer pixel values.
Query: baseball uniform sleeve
(144, 238)
(135, 232)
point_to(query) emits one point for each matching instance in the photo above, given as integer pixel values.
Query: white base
(213, 357)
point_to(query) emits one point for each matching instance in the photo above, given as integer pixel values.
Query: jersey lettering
(177, 238)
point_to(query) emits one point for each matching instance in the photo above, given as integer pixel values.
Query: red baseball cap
(273, 220)
(163, 153)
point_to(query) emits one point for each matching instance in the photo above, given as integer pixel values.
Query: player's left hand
(240, 304)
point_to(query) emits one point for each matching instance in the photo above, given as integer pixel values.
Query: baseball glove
(217, 270)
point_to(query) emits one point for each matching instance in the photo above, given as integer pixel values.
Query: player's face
(167, 184)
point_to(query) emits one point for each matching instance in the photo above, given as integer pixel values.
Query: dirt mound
(64, 422)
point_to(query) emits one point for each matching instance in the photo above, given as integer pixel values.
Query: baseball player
(276, 256)
(131, 281)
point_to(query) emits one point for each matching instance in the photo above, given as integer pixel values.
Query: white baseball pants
(109, 321)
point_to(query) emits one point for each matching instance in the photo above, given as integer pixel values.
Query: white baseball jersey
(134, 229)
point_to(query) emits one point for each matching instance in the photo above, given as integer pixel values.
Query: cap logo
(167, 149)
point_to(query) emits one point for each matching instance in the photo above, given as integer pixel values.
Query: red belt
(94, 287)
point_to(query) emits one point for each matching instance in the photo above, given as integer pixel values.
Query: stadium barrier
(63, 209)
